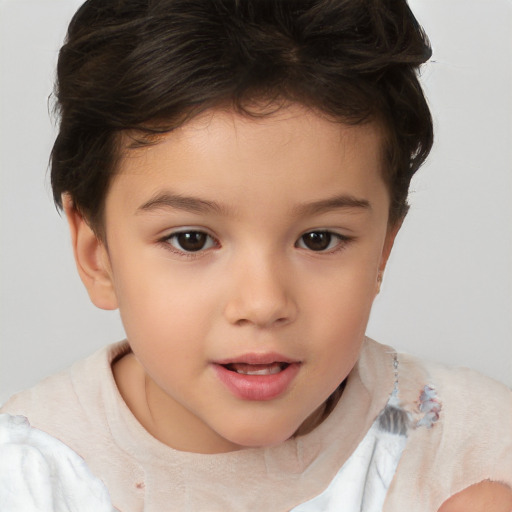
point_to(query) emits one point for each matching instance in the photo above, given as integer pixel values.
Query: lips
(259, 377)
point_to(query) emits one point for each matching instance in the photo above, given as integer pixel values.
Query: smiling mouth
(256, 369)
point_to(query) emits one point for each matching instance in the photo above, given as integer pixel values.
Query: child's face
(244, 257)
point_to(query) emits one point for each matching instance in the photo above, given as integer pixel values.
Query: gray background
(447, 294)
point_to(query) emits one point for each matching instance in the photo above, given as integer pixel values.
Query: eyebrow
(342, 201)
(179, 202)
(202, 206)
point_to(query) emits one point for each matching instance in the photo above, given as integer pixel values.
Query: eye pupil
(192, 241)
(317, 240)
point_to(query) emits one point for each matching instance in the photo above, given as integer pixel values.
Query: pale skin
(235, 236)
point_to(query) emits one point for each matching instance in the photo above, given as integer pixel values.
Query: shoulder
(460, 435)
(467, 400)
(472, 412)
(67, 404)
(39, 472)
(41, 398)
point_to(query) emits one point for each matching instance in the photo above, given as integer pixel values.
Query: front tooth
(265, 371)
(268, 370)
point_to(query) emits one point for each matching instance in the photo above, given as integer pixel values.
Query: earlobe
(91, 258)
(379, 281)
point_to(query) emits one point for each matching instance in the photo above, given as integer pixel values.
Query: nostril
(279, 321)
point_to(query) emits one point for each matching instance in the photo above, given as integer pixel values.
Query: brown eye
(317, 240)
(320, 241)
(191, 241)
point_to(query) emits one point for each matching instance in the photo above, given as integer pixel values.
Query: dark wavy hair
(147, 66)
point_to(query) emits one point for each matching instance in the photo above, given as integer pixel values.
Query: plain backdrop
(447, 293)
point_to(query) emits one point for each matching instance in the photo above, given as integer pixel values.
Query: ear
(91, 258)
(386, 250)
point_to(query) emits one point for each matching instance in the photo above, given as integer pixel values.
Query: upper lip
(257, 358)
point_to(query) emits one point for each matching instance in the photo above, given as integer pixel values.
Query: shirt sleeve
(38, 473)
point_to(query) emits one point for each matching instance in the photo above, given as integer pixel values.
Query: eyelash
(341, 242)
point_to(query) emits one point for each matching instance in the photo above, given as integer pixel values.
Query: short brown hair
(149, 65)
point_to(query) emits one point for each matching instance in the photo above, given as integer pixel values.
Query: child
(234, 175)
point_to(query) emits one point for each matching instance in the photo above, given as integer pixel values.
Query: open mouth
(257, 376)
(256, 369)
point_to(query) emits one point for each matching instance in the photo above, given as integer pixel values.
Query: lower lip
(257, 387)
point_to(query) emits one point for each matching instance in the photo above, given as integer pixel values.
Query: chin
(260, 436)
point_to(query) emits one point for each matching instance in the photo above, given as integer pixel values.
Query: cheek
(157, 304)
(344, 290)
(339, 310)
(165, 329)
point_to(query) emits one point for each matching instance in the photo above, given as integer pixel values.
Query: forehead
(294, 149)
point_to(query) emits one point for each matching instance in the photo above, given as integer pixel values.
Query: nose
(261, 293)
